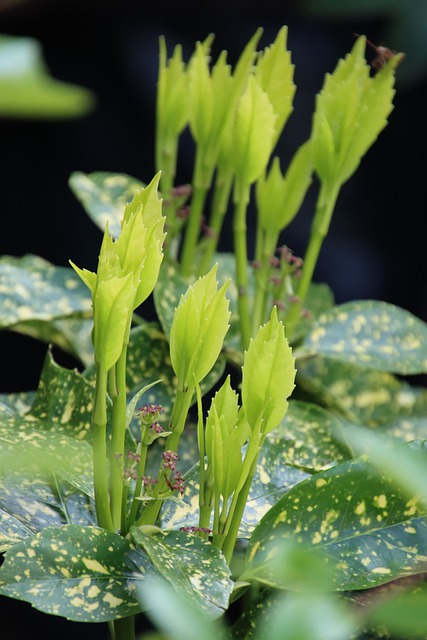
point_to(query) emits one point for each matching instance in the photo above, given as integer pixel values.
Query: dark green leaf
(84, 574)
(33, 290)
(368, 531)
(193, 566)
(63, 401)
(373, 334)
(361, 395)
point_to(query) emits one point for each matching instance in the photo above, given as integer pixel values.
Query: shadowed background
(375, 248)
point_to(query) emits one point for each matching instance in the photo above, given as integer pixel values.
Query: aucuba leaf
(172, 93)
(268, 375)
(111, 318)
(253, 134)
(351, 110)
(279, 197)
(274, 72)
(198, 329)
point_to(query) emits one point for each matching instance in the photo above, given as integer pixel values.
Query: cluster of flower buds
(196, 530)
(149, 413)
(170, 458)
(176, 483)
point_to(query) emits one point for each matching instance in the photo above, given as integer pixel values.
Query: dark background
(376, 246)
(377, 243)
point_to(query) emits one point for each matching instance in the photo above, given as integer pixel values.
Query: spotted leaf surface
(33, 289)
(194, 567)
(63, 400)
(361, 395)
(45, 477)
(28, 504)
(377, 335)
(365, 529)
(104, 196)
(85, 574)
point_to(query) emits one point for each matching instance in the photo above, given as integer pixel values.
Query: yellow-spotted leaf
(374, 334)
(85, 574)
(364, 396)
(367, 531)
(45, 477)
(32, 290)
(63, 401)
(104, 196)
(193, 566)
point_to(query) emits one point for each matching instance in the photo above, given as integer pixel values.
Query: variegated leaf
(193, 566)
(104, 196)
(365, 528)
(85, 574)
(373, 334)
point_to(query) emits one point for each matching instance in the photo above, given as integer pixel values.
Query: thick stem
(99, 443)
(192, 231)
(219, 209)
(118, 440)
(319, 229)
(241, 257)
(268, 243)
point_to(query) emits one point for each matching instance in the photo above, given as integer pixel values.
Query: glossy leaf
(32, 289)
(268, 375)
(198, 329)
(366, 530)
(63, 401)
(194, 567)
(104, 196)
(85, 574)
(364, 396)
(375, 334)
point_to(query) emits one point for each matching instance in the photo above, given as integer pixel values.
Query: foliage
(255, 450)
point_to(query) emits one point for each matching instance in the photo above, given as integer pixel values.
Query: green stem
(268, 243)
(319, 229)
(192, 231)
(220, 200)
(100, 470)
(138, 486)
(177, 424)
(118, 439)
(239, 507)
(241, 257)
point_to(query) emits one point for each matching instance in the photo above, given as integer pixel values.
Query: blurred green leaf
(27, 91)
